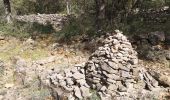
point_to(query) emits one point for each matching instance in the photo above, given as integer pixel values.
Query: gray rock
(125, 74)
(111, 76)
(113, 64)
(98, 86)
(62, 83)
(103, 88)
(111, 81)
(70, 89)
(78, 76)
(69, 81)
(104, 97)
(112, 87)
(125, 68)
(134, 61)
(122, 88)
(59, 76)
(85, 91)
(77, 92)
(107, 68)
(81, 81)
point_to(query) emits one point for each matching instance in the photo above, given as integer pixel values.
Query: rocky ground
(23, 60)
(43, 69)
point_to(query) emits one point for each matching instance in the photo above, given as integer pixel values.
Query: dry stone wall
(56, 20)
(112, 70)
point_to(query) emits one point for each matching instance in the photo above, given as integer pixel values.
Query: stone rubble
(71, 80)
(112, 70)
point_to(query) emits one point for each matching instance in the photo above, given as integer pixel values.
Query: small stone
(85, 91)
(107, 68)
(104, 97)
(62, 83)
(115, 41)
(122, 88)
(81, 81)
(134, 61)
(112, 87)
(71, 97)
(103, 88)
(113, 65)
(96, 80)
(59, 76)
(78, 76)
(125, 74)
(68, 88)
(80, 65)
(111, 76)
(77, 92)
(129, 85)
(68, 73)
(9, 85)
(124, 68)
(98, 86)
(69, 81)
(74, 70)
(82, 71)
(111, 81)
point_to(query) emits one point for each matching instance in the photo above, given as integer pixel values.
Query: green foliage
(14, 29)
(77, 26)
(23, 30)
(36, 6)
(1, 8)
(117, 15)
(94, 96)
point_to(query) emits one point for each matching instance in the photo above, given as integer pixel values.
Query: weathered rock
(78, 76)
(125, 74)
(112, 87)
(69, 81)
(20, 70)
(77, 92)
(85, 91)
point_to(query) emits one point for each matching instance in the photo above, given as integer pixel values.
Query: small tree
(68, 6)
(7, 7)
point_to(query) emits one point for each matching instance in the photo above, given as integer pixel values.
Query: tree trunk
(68, 6)
(7, 7)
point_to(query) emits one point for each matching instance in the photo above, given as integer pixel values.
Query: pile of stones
(69, 83)
(112, 70)
(113, 66)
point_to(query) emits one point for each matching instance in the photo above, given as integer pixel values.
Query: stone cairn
(112, 70)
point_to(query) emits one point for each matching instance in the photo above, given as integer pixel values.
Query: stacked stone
(71, 81)
(112, 68)
(56, 20)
